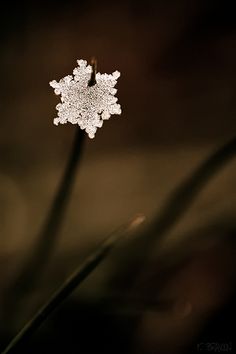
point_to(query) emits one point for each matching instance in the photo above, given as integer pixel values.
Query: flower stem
(72, 283)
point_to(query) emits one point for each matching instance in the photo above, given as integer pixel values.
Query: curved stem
(71, 284)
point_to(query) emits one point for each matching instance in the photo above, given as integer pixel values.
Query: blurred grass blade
(38, 258)
(81, 273)
(181, 199)
(144, 247)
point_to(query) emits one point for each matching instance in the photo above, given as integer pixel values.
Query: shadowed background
(177, 92)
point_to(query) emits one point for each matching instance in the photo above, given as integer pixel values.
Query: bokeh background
(177, 91)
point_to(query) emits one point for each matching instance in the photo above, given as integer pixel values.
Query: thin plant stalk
(81, 273)
(185, 194)
(180, 200)
(50, 230)
(47, 238)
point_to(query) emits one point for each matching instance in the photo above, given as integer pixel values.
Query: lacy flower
(85, 105)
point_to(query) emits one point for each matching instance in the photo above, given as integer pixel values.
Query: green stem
(71, 284)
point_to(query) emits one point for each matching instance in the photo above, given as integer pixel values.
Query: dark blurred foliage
(177, 91)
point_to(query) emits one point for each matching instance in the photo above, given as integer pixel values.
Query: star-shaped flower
(84, 104)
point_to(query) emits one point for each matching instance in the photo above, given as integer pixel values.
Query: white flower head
(83, 104)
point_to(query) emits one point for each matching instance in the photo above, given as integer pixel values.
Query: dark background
(177, 92)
